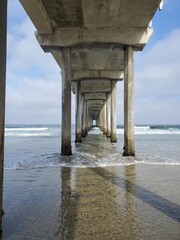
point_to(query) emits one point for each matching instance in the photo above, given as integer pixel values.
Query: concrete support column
(87, 118)
(108, 116)
(82, 109)
(100, 119)
(113, 111)
(66, 104)
(97, 121)
(78, 112)
(90, 121)
(84, 119)
(104, 117)
(3, 40)
(129, 149)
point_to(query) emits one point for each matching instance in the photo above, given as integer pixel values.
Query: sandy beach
(127, 202)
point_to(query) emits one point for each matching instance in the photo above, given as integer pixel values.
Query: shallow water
(119, 202)
(40, 147)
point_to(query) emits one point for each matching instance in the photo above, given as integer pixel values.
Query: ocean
(38, 146)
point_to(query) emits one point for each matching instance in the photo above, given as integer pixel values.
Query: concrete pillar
(129, 149)
(108, 114)
(87, 118)
(78, 112)
(3, 37)
(97, 121)
(84, 118)
(104, 118)
(82, 109)
(100, 120)
(66, 104)
(113, 111)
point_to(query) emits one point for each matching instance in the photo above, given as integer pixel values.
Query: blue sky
(34, 79)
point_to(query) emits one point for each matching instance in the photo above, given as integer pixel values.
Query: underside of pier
(93, 42)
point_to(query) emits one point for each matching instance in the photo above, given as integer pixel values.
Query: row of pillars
(66, 102)
(106, 120)
(107, 117)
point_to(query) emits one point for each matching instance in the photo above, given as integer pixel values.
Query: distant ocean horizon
(21, 130)
(38, 145)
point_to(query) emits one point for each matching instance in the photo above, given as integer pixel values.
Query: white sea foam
(27, 134)
(79, 165)
(26, 129)
(146, 130)
(139, 128)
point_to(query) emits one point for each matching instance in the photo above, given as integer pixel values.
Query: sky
(33, 93)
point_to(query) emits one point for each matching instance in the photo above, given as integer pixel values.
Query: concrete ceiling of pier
(96, 31)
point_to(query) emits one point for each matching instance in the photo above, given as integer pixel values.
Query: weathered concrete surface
(39, 16)
(137, 37)
(113, 112)
(3, 43)
(108, 114)
(129, 149)
(66, 105)
(96, 13)
(97, 96)
(94, 86)
(98, 74)
(78, 112)
(84, 118)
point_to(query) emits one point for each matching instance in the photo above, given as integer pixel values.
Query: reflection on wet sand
(107, 203)
(110, 203)
(96, 208)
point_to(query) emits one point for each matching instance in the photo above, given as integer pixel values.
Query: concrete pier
(129, 149)
(108, 115)
(66, 104)
(78, 112)
(101, 120)
(104, 118)
(87, 120)
(113, 111)
(3, 42)
(96, 40)
(93, 43)
(84, 117)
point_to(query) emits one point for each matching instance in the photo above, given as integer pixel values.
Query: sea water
(38, 146)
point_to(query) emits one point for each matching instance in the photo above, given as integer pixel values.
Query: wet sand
(126, 202)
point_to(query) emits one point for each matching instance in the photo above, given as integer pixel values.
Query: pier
(93, 42)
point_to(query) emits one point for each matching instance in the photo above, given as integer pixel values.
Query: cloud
(157, 85)
(33, 77)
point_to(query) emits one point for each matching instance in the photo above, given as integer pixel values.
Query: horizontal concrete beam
(95, 108)
(109, 74)
(69, 37)
(38, 15)
(58, 58)
(95, 102)
(95, 85)
(96, 96)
